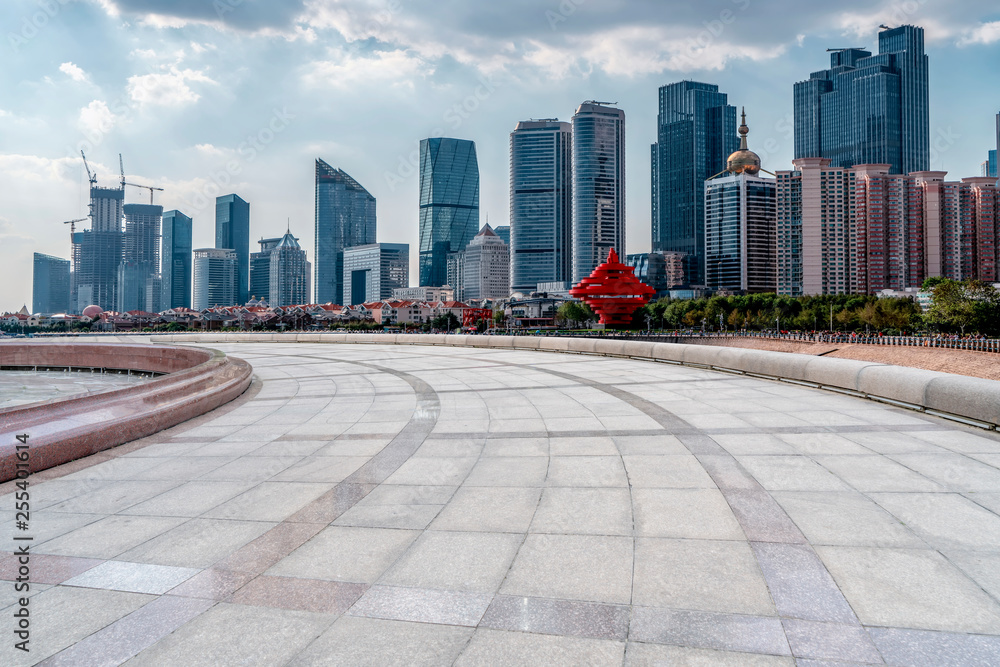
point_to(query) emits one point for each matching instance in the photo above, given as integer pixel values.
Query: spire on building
(743, 161)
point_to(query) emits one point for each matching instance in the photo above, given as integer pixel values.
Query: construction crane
(849, 48)
(121, 166)
(72, 227)
(90, 176)
(148, 187)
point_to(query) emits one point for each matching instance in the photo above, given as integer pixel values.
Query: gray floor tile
(667, 472)
(496, 647)
(845, 518)
(830, 641)
(494, 509)
(132, 577)
(691, 513)
(558, 617)
(343, 553)
(587, 511)
(944, 520)
(695, 629)
(475, 562)
(422, 605)
(589, 471)
(509, 471)
(110, 536)
(935, 649)
(658, 655)
(358, 641)
(197, 543)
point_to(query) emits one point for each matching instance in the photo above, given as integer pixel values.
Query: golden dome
(743, 161)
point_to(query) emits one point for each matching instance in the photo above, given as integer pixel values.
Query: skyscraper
(696, 131)
(215, 282)
(740, 225)
(483, 268)
(869, 109)
(260, 269)
(50, 285)
(232, 231)
(140, 255)
(97, 252)
(372, 272)
(345, 217)
(449, 204)
(541, 204)
(289, 273)
(175, 268)
(598, 185)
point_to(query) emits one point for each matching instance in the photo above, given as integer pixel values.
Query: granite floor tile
(800, 585)
(189, 500)
(252, 468)
(213, 584)
(450, 448)
(762, 518)
(944, 520)
(183, 468)
(64, 615)
(509, 471)
(113, 496)
(593, 446)
(658, 655)
(586, 511)
(422, 605)
(655, 445)
(980, 566)
(830, 641)
(132, 577)
(400, 494)
(497, 647)
(753, 444)
(234, 634)
(667, 472)
(910, 588)
(791, 473)
(688, 513)
(706, 575)
(269, 548)
(439, 471)
(957, 473)
(197, 543)
(516, 447)
(329, 597)
(823, 444)
(45, 525)
(45, 569)
(356, 640)
(935, 649)
(557, 617)
(490, 509)
(877, 473)
(694, 629)
(415, 517)
(109, 537)
(573, 567)
(345, 553)
(586, 471)
(128, 636)
(455, 561)
(268, 501)
(845, 518)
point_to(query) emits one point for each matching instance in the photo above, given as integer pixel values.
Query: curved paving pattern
(415, 505)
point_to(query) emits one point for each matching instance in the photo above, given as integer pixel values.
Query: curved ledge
(196, 381)
(970, 400)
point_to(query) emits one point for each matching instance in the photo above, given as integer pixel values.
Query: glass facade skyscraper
(50, 285)
(696, 131)
(449, 204)
(214, 278)
(372, 272)
(598, 186)
(97, 252)
(869, 109)
(140, 255)
(345, 217)
(541, 204)
(260, 269)
(232, 231)
(288, 273)
(175, 261)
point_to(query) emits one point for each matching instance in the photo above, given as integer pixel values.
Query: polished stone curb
(195, 382)
(969, 400)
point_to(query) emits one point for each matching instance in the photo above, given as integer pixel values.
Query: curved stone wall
(971, 400)
(196, 380)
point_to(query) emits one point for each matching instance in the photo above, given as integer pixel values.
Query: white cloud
(397, 68)
(96, 119)
(166, 88)
(73, 72)
(984, 33)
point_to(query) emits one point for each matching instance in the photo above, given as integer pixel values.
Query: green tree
(575, 313)
(446, 321)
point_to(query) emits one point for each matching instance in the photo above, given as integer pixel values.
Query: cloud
(73, 72)
(168, 88)
(247, 15)
(984, 33)
(96, 119)
(344, 70)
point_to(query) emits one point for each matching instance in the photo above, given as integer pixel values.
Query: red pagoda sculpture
(613, 292)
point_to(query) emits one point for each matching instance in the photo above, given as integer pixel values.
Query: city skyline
(484, 92)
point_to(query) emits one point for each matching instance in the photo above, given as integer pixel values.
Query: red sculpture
(613, 292)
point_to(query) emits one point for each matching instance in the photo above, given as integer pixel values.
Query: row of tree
(958, 306)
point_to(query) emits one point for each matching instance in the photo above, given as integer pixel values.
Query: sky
(209, 97)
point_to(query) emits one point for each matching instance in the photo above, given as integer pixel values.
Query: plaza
(391, 504)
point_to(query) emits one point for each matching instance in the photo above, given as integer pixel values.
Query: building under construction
(97, 252)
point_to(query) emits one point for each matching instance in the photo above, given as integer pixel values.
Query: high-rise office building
(140, 255)
(372, 272)
(260, 269)
(541, 204)
(990, 166)
(740, 225)
(50, 285)
(449, 204)
(232, 231)
(289, 273)
(215, 281)
(175, 261)
(598, 186)
(482, 270)
(869, 109)
(503, 231)
(345, 217)
(660, 269)
(696, 131)
(97, 252)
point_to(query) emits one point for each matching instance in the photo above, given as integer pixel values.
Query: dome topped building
(743, 161)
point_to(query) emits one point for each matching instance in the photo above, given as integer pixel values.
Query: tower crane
(147, 187)
(72, 227)
(121, 166)
(92, 177)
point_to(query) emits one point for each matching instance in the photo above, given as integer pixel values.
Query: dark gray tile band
(568, 618)
(921, 648)
(698, 629)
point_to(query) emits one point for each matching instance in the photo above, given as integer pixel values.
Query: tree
(950, 306)
(575, 313)
(446, 321)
